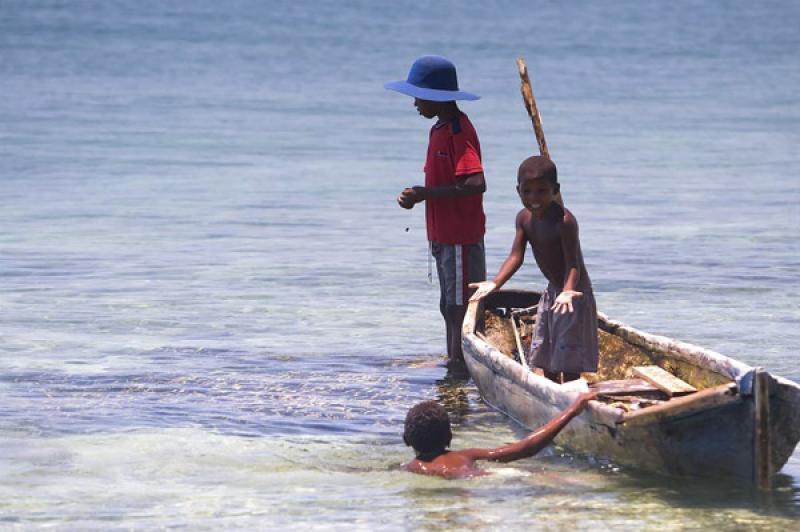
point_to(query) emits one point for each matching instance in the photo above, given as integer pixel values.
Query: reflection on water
(452, 391)
(251, 396)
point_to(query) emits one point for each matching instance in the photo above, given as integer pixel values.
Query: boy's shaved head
(538, 167)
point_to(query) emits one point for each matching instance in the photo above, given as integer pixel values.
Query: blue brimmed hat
(432, 78)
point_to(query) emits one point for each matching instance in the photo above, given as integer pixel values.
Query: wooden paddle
(533, 112)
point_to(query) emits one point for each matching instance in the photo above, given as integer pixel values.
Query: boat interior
(629, 377)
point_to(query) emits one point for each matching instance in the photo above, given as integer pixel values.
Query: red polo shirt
(453, 153)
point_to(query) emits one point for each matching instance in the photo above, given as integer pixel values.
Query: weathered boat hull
(710, 433)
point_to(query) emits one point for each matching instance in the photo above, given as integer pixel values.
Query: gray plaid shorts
(457, 265)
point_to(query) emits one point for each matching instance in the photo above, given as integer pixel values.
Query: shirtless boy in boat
(427, 430)
(565, 337)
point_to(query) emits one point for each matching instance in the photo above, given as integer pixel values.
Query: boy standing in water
(453, 191)
(565, 337)
(427, 431)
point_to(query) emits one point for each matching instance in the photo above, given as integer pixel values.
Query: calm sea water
(214, 315)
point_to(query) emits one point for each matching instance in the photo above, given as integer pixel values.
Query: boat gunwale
(703, 400)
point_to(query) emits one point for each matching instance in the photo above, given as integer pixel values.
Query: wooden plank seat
(664, 380)
(624, 387)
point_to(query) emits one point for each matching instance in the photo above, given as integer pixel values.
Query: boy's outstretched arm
(510, 266)
(536, 440)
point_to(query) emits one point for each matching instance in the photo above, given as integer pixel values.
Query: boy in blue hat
(453, 190)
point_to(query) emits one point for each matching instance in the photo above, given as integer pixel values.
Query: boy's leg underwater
(454, 319)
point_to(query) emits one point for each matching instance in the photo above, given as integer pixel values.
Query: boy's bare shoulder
(523, 216)
(451, 465)
(568, 219)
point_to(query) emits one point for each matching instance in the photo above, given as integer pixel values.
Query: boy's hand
(484, 288)
(563, 302)
(404, 200)
(584, 399)
(411, 196)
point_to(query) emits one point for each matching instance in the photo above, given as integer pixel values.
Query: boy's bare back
(450, 465)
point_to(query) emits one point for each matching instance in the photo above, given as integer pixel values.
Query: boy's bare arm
(516, 257)
(469, 185)
(509, 267)
(569, 246)
(536, 440)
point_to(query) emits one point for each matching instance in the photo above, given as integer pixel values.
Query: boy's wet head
(427, 428)
(538, 167)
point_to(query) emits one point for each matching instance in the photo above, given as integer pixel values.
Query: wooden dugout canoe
(741, 422)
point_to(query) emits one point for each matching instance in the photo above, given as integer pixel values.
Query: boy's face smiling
(536, 193)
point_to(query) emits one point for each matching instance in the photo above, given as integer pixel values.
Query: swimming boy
(565, 337)
(453, 191)
(427, 430)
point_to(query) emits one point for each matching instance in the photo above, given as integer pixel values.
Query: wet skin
(461, 464)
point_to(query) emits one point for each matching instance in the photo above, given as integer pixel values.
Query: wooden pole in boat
(530, 105)
(522, 359)
(762, 451)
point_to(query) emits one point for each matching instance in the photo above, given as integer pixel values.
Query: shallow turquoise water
(213, 315)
